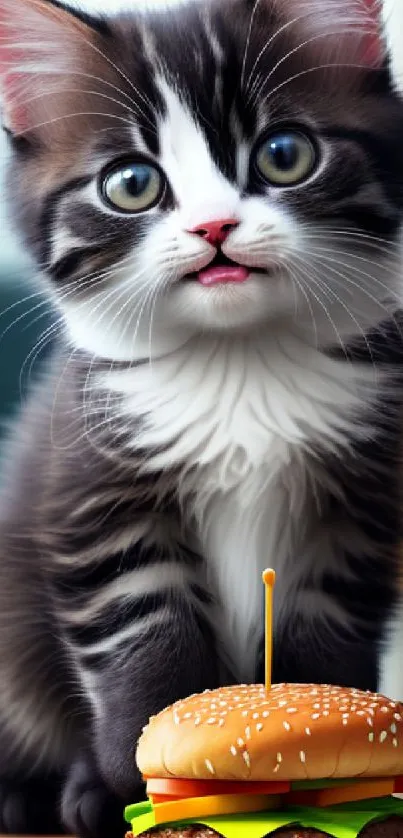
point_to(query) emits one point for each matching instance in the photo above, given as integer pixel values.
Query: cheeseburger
(298, 760)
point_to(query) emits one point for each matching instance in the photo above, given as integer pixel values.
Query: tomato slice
(175, 788)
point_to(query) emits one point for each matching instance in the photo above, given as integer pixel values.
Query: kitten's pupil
(284, 152)
(136, 180)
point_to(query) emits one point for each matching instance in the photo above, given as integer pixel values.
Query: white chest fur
(241, 416)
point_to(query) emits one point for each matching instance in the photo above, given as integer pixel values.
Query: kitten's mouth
(221, 271)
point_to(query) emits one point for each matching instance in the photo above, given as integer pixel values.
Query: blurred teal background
(21, 324)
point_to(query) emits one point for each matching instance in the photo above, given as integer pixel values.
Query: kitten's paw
(94, 813)
(89, 810)
(29, 808)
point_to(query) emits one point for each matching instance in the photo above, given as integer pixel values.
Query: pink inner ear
(373, 51)
(12, 84)
(16, 117)
(15, 108)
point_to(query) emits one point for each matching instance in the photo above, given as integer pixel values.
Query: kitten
(214, 197)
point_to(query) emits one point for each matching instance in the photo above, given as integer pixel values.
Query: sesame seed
(286, 726)
(393, 728)
(246, 758)
(233, 750)
(395, 742)
(197, 721)
(369, 721)
(276, 768)
(316, 706)
(255, 715)
(326, 712)
(259, 727)
(244, 713)
(187, 716)
(240, 742)
(211, 721)
(384, 710)
(360, 712)
(279, 757)
(397, 716)
(345, 721)
(209, 766)
(345, 715)
(383, 735)
(291, 710)
(371, 736)
(221, 722)
(176, 718)
(315, 716)
(302, 756)
(308, 731)
(266, 714)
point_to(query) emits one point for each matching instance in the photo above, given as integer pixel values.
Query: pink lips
(222, 275)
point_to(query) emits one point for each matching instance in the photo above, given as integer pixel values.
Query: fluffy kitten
(214, 198)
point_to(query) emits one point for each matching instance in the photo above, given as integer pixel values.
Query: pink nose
(215, 232)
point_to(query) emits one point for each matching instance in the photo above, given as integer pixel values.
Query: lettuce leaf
(345, 820)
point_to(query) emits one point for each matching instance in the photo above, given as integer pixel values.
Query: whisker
(341, 302)
(76, 114)
(348, 233)
(292, 78)
(351, 267)
(343, 31)
(51, 92)
(248, 37)
(304, 292)
(310, 279)
(33, 354)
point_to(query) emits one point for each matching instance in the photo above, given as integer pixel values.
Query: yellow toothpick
(269, 578)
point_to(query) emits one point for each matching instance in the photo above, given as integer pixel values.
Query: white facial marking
(186, 159)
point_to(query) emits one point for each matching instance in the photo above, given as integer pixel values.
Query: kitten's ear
(348, 30)
(42, 46)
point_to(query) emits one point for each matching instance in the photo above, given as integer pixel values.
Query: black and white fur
(185, 438)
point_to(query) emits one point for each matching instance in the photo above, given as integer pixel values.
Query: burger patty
(390, 828)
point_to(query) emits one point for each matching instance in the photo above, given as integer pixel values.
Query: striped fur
(184, 437)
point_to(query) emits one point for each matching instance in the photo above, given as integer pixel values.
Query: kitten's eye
(134, 187)
(286, 158)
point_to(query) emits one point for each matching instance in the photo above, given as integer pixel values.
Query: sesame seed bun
(296, 732)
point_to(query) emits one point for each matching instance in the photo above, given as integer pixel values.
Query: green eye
(286, 158)
(134, 187)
